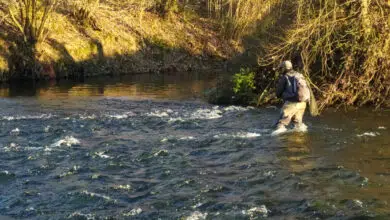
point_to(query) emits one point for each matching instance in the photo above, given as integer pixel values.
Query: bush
(244, 86)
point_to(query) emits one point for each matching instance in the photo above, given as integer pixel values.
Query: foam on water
(198, 114)
(382, 128)
(243, 135)
(67, 141)
(197, 216)
(15, 131)
(11, 147)
(30, 209)
(280, 131)
(133, 212)
(158, 114)
(301, 128)
(358, 203)
(256, 211)
(122, 187)
(187, 138)
(234, 108)
(5, 172)
(178, 119)
(332, 129)
(196, 205)
(118, 116)
(27, 117)
(368, 134)
(121, 116)
(79, 215)
(270, 173)
(86, 117)
(214, 113)
(102, 155)
(6, 175)
(164, 140)
(97, 195)
(174, 138)
(71, 171)
(161, 153)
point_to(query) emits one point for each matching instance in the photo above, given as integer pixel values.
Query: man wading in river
(293, 89)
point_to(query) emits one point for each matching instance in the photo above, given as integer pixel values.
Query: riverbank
(344, 54)
(121, 41)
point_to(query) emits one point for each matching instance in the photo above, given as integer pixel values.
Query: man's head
(285, 66)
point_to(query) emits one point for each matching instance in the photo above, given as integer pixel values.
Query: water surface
(149, 147)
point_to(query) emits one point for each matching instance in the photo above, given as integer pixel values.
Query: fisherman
(292, 88)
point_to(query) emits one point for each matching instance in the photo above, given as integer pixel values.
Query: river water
(149, 147)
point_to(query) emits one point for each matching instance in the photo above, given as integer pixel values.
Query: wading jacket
(284, 87)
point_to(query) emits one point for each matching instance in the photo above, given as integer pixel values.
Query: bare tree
(30, 17)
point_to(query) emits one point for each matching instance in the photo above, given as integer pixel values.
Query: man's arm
(280, 86)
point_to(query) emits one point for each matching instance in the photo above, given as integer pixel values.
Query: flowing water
(149, 147)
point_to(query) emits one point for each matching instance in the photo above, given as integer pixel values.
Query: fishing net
(313, 107)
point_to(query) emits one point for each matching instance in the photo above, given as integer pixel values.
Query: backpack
(300, 88)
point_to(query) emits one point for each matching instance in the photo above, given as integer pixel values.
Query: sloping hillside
(121, 39)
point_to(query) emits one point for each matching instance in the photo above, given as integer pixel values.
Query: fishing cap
(286, 65)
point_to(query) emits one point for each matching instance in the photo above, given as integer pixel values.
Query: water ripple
(125, 159)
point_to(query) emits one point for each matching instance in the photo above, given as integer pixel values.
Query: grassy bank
(120, 38)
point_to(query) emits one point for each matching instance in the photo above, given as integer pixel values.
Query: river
(149, 147)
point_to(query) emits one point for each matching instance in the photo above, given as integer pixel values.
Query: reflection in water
(369, 156)
(297, 152)
(140, 86)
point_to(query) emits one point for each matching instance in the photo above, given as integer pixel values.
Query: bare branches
(239, 16)
(345, 48)
(30, 17)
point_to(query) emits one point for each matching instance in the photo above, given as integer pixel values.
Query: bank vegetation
(342, 46)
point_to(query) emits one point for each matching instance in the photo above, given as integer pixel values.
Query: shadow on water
(140, 86)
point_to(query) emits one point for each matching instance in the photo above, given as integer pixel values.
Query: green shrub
(244, 86)
(244, 81)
